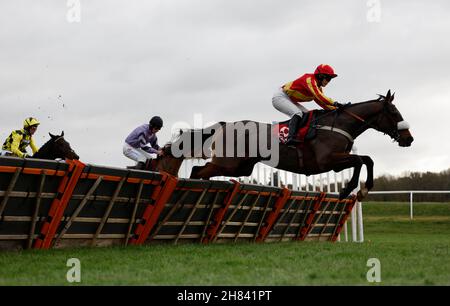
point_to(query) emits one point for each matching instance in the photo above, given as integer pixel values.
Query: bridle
(394, 134)
(61, 138)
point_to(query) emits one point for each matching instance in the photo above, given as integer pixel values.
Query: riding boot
(140, 166)
(293, 127)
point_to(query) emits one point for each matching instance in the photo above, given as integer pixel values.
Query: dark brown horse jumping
(328, 150)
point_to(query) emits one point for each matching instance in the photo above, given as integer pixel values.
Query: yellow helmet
(29, 122)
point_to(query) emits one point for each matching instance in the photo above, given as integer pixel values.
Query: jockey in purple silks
(142, 142)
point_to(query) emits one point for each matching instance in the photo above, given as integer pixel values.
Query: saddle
(305, 131)
(5, 153)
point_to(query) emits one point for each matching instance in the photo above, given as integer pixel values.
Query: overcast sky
(126, 61)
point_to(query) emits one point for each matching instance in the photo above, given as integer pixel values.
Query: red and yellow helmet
(29, 122)
(325, 69)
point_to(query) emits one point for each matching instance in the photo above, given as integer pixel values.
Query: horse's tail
(192, 141)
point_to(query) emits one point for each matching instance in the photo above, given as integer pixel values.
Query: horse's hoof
(362, 193)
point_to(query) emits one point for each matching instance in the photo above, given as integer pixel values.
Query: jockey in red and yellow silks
(307, 88)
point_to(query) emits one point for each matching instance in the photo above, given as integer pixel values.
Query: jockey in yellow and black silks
(18, 141)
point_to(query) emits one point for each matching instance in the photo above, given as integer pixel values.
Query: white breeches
(136, 154)
(284, 104)
(5, 153)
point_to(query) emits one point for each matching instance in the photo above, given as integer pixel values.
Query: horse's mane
(381, 98)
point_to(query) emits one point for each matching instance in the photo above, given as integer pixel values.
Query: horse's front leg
(344, 161)
(369, 181)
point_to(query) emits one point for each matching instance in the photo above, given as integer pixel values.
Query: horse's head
(167, 162)
(60, 148)
(391, 122)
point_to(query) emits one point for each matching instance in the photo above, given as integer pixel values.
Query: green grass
(411, 253)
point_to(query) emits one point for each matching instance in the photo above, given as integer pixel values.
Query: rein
(394, 136)
(354, 116)
(357, 117)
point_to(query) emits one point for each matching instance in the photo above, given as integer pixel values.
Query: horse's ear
(51, 135)
(392, 98)
(388, 95)
(62, 133)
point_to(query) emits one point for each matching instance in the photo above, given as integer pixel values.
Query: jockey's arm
(16, 139)
(325, 105)
(149, 149)
(146, 146)
(319, 97)
(154, 143)
(153, 148)
(33, 146)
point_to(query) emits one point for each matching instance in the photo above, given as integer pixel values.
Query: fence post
(294, 182)
(264, 180)
(272, 177)
(411, 205)
(335, 183)
(360, 221)
(354, 221)
(345, 232)
(258, 173)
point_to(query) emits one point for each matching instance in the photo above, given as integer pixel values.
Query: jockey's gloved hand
(337, 104)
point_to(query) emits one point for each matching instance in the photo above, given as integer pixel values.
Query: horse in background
(56, 148)
(165, 163)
